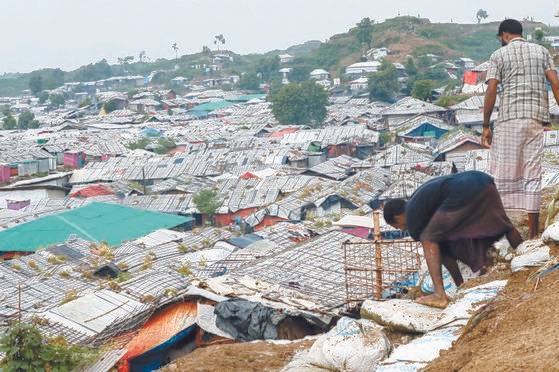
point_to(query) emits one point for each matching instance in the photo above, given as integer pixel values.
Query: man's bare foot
(434, 300)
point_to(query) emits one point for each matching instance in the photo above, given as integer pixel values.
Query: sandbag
(353, 345)
(401, 315)
(408, 316)
(551, 233)
(420, 351)
(531, 253)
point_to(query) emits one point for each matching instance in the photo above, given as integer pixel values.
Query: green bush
(27, 350)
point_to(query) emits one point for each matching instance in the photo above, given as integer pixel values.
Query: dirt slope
(517, 332)
(241, 357)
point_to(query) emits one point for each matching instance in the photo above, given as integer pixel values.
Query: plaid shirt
(520, 67)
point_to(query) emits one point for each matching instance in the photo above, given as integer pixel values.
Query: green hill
(403, 35)
(415, 36)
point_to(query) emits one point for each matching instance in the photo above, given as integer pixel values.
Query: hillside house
(144, 105)
(553, 41)
(74, 159)
(285, 58)
(465, 63)
(319, 74)
(285, 74)
(407, 108)
(359, 85)
(179, 81)
(469, 113)
(423, 129)
(454, 148)
(362, 69)
(377, 54)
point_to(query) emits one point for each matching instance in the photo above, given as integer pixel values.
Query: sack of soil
(352, 346)
(531, 253)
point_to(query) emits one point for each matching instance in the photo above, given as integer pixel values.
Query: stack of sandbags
(351, 346)
(440, 327)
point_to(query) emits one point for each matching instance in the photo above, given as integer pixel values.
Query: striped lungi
(516, 163)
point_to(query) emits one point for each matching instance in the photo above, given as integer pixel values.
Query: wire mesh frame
(379, 269)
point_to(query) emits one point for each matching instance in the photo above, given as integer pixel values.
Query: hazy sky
(70, 33)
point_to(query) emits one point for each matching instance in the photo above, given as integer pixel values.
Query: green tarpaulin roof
(112, 223)
(248, 97)
(212, 106)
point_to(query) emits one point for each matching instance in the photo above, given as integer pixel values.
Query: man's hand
(486, 137)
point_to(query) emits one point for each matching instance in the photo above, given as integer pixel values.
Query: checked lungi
(516, 157)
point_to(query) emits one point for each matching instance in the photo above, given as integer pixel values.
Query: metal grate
(379, 269)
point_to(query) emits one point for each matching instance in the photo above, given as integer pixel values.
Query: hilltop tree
(300, 104)
(53, 78)
(175, 48)
(365, 32)
(125, 61)
(27, 120)
(57, 100)
(206, 50)
(300, 73)
(249, 81)
(422, 89)
(219, 40)
(268, 67)
(36, 84)
(383, 85)
(481, 15)
(207, 202)
(142, 56)
(9, 122)
(96, 71)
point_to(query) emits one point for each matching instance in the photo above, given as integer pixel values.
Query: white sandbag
(402, 315)
(425, 348)
(353, 345)
(529, 246)
(408, 316)
(551, 233)
(531, 253)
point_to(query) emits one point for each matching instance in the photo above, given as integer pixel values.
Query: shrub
(26, 349)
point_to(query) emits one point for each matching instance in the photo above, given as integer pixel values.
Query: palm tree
(176, 49)
(142, 56)
(481, 14)
(219, 39)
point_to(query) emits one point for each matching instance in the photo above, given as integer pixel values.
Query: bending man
(456, 217)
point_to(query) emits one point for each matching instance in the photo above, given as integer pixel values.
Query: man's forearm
(489, 105)
(555, 90)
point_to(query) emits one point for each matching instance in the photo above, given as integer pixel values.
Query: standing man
(521, 68)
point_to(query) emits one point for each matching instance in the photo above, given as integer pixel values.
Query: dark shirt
(447, 193)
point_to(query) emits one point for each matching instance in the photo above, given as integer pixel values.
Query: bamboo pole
(378, 255)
